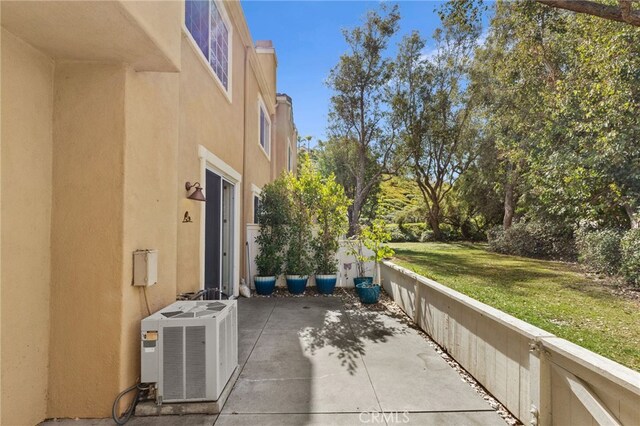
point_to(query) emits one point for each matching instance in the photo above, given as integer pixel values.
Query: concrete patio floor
(309, 361)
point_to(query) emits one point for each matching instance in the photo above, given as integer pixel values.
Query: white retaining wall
(540, 378)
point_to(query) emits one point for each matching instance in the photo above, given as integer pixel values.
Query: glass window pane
(197, 22)
(219, 50)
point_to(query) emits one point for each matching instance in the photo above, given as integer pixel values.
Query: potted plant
(373, 238)
(332, 221)
(272, 235)
(356, 249)
(298, 260)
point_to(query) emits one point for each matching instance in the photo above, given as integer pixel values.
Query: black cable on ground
(139, 388)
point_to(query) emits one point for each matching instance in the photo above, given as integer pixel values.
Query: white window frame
(262, 106)
(228, 92)
(255, 192)
(209, 161)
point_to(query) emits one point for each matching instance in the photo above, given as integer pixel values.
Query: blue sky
(308, 40)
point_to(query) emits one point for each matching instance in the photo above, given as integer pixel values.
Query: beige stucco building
(108, 109)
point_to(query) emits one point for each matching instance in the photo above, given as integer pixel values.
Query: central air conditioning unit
(190, 350)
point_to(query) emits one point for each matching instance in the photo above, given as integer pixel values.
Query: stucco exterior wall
(268, 64)
(87, 225)
(258, 168)
(161, 21)
(207, 118)
(95, 154)
(286, 136)
(258, 165)
(210, 119)
(150, 191)
(27, 107)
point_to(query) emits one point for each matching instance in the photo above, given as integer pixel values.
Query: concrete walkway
(309, 361)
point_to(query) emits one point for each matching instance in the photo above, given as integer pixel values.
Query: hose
(139, 388)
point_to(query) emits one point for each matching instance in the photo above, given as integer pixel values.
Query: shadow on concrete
(346, 335)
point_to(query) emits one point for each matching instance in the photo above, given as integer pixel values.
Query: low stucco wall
(539, 377)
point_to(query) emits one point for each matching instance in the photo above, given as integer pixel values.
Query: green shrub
(272, 237)
(397, 236)
(495, 237)
(532, 239)
(413, 231)
(599, 250)
(426, 236)
(406, 232)
(450, 232)
(630, 251)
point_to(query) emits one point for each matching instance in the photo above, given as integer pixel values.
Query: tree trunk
(509, 205)
(634, 216)
(354, 217)
(434, 222)
(360, 193)
(356, 211)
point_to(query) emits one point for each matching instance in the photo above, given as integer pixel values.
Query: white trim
(256, 189)
(265, 49)
(209, 161)
(228, 92)
(255, 192)
(263, 106)
(227, 171)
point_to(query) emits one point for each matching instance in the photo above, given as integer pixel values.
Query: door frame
(209, 161)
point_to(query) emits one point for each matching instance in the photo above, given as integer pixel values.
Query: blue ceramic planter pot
(368, 293)
(362, 280)
(265, 285)
(297, 283)
(326, 283)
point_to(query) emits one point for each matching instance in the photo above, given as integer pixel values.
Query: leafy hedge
(630, 250)
(420, 232)
(532, 239)
(599, 250)
(406, 232)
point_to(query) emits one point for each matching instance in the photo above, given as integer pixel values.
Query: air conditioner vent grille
(195, 345)
(172, 368)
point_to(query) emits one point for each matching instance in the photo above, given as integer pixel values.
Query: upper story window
(209, 27)
(265, 128)
(289, 155)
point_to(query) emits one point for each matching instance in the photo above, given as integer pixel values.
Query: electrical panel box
(145, 267)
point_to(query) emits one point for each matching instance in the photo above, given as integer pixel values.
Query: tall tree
(434, 108)
(592, 142)
(514, 76)
(561, 96)
(357, 114)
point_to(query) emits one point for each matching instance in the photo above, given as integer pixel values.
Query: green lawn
(551, 295)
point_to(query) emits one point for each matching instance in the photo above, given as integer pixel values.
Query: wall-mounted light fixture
(197, 193)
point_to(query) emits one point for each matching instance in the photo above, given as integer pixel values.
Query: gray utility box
(190, 349)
